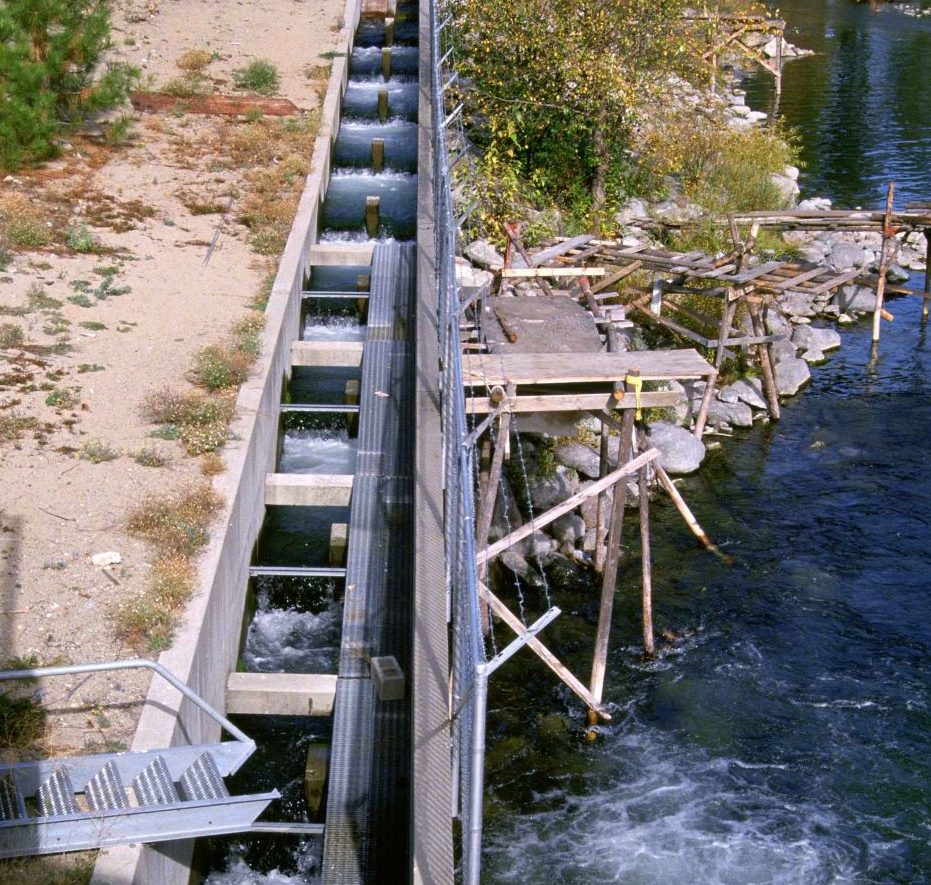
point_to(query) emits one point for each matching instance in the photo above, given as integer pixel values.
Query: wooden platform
(581, 368)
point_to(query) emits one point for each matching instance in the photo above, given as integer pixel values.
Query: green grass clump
(11, 335)
(97, 451)
(148, 457)
(79, 239)
(64, 398)
(220, 366)
(259, 76)
(13, 426)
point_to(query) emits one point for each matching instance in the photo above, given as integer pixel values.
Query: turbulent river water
(786, 737)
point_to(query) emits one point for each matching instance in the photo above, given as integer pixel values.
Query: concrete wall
(207, 644)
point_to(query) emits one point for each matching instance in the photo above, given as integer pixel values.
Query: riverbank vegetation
(573, 108)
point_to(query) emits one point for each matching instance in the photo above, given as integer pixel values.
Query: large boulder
(470, 277)
(633, 210)
(569, 528)
(482, 253)
(856, 297)
(782, 349)
(746, 390)
(815, 204)
(845, 256)
(736, 414)
(797, 304)
(677, 211)
(680, 451)
(791, 375)
(814, 338)
(581, 458)
(787, 187)
(547, 491)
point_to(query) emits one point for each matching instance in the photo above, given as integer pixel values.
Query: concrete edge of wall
(207, 642)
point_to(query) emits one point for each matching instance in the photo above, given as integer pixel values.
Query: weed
(56, 325)
(212, 464)
(84, 368)
(195, 59)
(120, 130)
(81, 300)
(13, 426)
(97, 451)
(145, 626)
(37, 299)
(331, 54)
(259, 76)
(198, 205)
(64, 398)
(67, 869)
(150, 458)
(22, 223)
(22, 724)
(176, 523)
(317, 72)
(166, 431)
(55, 565)
(201, 439)
(107, 270)
(247, 333)
(79, 239)
(168, 406)
(93, 325)
(172, 580)
(188, 85)
(11, 335)
(220, 366)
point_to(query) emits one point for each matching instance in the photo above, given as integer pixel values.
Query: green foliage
(97, 451)
(11, 335)
(259, 76)
(79, 239)
(50, 52)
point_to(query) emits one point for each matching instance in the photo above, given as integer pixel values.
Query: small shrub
(195, 59)
(64, 398)
(93, 325)
(189, 85)
(172, 580)
(201, 439)
(219, 366)
(97, 451)
(22, 725)
(176, 523)
(168, 406)
(37, 299)
(247, 333)
(11, 335)
(81, 300)
(13, 426)
(147, 457)
(212, 464)
(146, 626)
(259, 76)
(120, 130)
(166, 431)
(22, 223)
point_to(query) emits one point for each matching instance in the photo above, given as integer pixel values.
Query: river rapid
(785, 735)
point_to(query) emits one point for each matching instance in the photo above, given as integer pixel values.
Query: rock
(749, 391)
(727, 395)
(792, 172)
(110, 557)
(589, 540)
(515, 562)
(569, 528)
(896, 274)
(846, 255)
(787, 187)
(855, 297)
(540, 545)
(580, 458)
(813, 355)
(680, 451)
(790, 375)
(777, 324)
(756, 116)
(736, 414)
(589, 509)
(468, 276)
(677, 211)
(795, 238)
(482, 253)
(797, 304)
(845, 319)
(682, 411)
(812, 252)
(633, 210)
(546, 491)
(815, 204)
(814, 338)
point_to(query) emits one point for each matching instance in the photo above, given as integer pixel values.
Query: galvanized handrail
(131, 664)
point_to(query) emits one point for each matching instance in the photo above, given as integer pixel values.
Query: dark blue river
(786, 735)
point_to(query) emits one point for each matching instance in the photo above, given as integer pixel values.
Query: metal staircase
(80, 802)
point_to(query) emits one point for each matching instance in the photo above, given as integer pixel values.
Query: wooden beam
(560, 249)
(538, 522)
(545, 655)
(576, 402)
(538, 272)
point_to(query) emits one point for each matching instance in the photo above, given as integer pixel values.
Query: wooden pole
(386, 62)
(372, 215)
(883, 262)
(766, 362)
(702, 416)
(487, 505)
(511, 231)
(643, 486)
(378, 155)
(570, 503)
(363, 284)
(389, 31)
(727, 318)
(924, 307)
(545, 655)
(687, 514)
(382, 105)
(609, 578)
(600, 550)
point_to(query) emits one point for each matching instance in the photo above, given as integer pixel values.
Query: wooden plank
(222, 105)
(566, 368)
(836, 282)
(545, 655)
(577, 402)
(786, 284)
(673, 326)
(539, 272)
(560, 249)
(543, 519)
(761, 270)
(617, 276)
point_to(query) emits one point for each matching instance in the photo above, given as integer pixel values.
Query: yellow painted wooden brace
(636, 382)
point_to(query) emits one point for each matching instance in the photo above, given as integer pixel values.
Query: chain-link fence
(469, 679)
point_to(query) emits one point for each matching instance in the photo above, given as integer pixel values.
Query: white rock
(109, 557)
(791, 375)
(815, 204)
(749, 391)
(756, 116)
(813, 356)
(680, 451)
(813, 338)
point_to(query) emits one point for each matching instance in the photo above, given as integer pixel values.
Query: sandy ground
(57, 509)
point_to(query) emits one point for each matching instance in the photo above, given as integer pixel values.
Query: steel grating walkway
(368, 811)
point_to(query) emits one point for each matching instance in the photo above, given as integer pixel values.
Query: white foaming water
(317, 451)
(306, 859)
(350, 173)
(678, 820)
(284, 641)
(332, 327)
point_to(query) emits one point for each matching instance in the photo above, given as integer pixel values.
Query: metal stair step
(105, 790)
(12, 806)
(202, 781)
(154, 786)
(56, 795)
